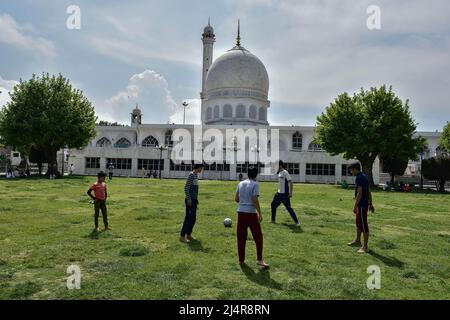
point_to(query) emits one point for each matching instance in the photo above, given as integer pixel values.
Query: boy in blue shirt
(363, 204)
(249, 216)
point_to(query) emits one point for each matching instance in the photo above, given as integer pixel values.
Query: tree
(437, 169)
(110, 124)
(368, 124)
(394, 166)
(445, 138)
(46, 113)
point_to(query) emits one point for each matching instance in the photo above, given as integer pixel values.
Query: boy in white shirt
(284, 194)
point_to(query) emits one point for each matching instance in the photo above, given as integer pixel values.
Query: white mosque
(234, 95)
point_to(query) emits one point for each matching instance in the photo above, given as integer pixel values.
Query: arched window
(315, 147)
(240, 111)
(297, 141)
(262, 114)
(216, 112)
(252, 112)
(103, 142)
(122, 143)
(168, 138)
(150, 141)
(227, 111)
(209, 113)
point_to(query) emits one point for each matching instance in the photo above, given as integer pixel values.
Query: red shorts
(361, 219)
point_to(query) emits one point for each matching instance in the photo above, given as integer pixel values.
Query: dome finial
(209, 20)
(238, 39)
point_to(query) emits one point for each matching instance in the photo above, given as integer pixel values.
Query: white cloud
(193, 112)
(14, 35)
(136, 41)
(5, 87)
(324, 48)
(150, 91)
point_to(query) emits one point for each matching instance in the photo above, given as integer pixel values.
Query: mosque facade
(234, 95)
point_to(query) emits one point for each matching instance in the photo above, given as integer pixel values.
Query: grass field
(45, 226)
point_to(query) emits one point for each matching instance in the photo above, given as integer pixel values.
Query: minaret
(208, 39)
(136, 116)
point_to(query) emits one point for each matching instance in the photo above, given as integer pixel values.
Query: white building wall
(137, 151)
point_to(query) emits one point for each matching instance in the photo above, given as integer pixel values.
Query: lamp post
(161, 149)
(256, 150)
(185, 104)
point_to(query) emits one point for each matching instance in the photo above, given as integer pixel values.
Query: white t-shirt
(283, 181)
(247, 189)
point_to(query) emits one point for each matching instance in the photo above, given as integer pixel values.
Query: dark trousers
(110, 175)
(361, 219)
(282, 198)
(100, 205)
(189, 219)
(245, 221)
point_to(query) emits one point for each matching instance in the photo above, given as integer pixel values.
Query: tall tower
(136, 116)
(208, 39)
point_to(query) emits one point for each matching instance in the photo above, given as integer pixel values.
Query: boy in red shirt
(99, 197)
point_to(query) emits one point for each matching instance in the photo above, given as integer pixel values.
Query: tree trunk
(52, 163)
(441, 185)
(40, 168)
(392, 178)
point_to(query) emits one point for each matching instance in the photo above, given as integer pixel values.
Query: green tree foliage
(437, 169)
(368, 124)
(110, 124)
(394, 166)
(46, 113)
(445, 138)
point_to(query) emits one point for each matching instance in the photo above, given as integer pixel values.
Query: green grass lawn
(45, 226)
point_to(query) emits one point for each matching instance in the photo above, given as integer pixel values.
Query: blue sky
(149, 52)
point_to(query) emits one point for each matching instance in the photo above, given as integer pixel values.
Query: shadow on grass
(196, 245)
(94, 235)
(293, 228)
(262, 277)
(389, 261)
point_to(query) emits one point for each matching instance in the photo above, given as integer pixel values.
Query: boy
(249, 216)
(284, 194)
(191, 202)
(100, 195)
(363, 203)
(111, 170)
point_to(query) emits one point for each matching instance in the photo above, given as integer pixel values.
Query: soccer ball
(227, 222)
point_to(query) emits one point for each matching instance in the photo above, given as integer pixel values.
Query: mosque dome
(238, 69)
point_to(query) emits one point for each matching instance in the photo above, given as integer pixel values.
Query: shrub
(437, 169)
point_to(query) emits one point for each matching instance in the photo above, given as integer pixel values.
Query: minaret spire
(238, 39)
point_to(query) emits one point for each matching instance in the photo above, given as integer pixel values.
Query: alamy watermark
(374, 280)
(73, 22)
(231, 146)
(74, 279)
(374, 20)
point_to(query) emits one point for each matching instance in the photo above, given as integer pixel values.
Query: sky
(149, 52)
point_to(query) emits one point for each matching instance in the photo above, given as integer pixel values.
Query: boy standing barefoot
(191, 201)
(363, 204)
(99, 197)
(249, 216)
